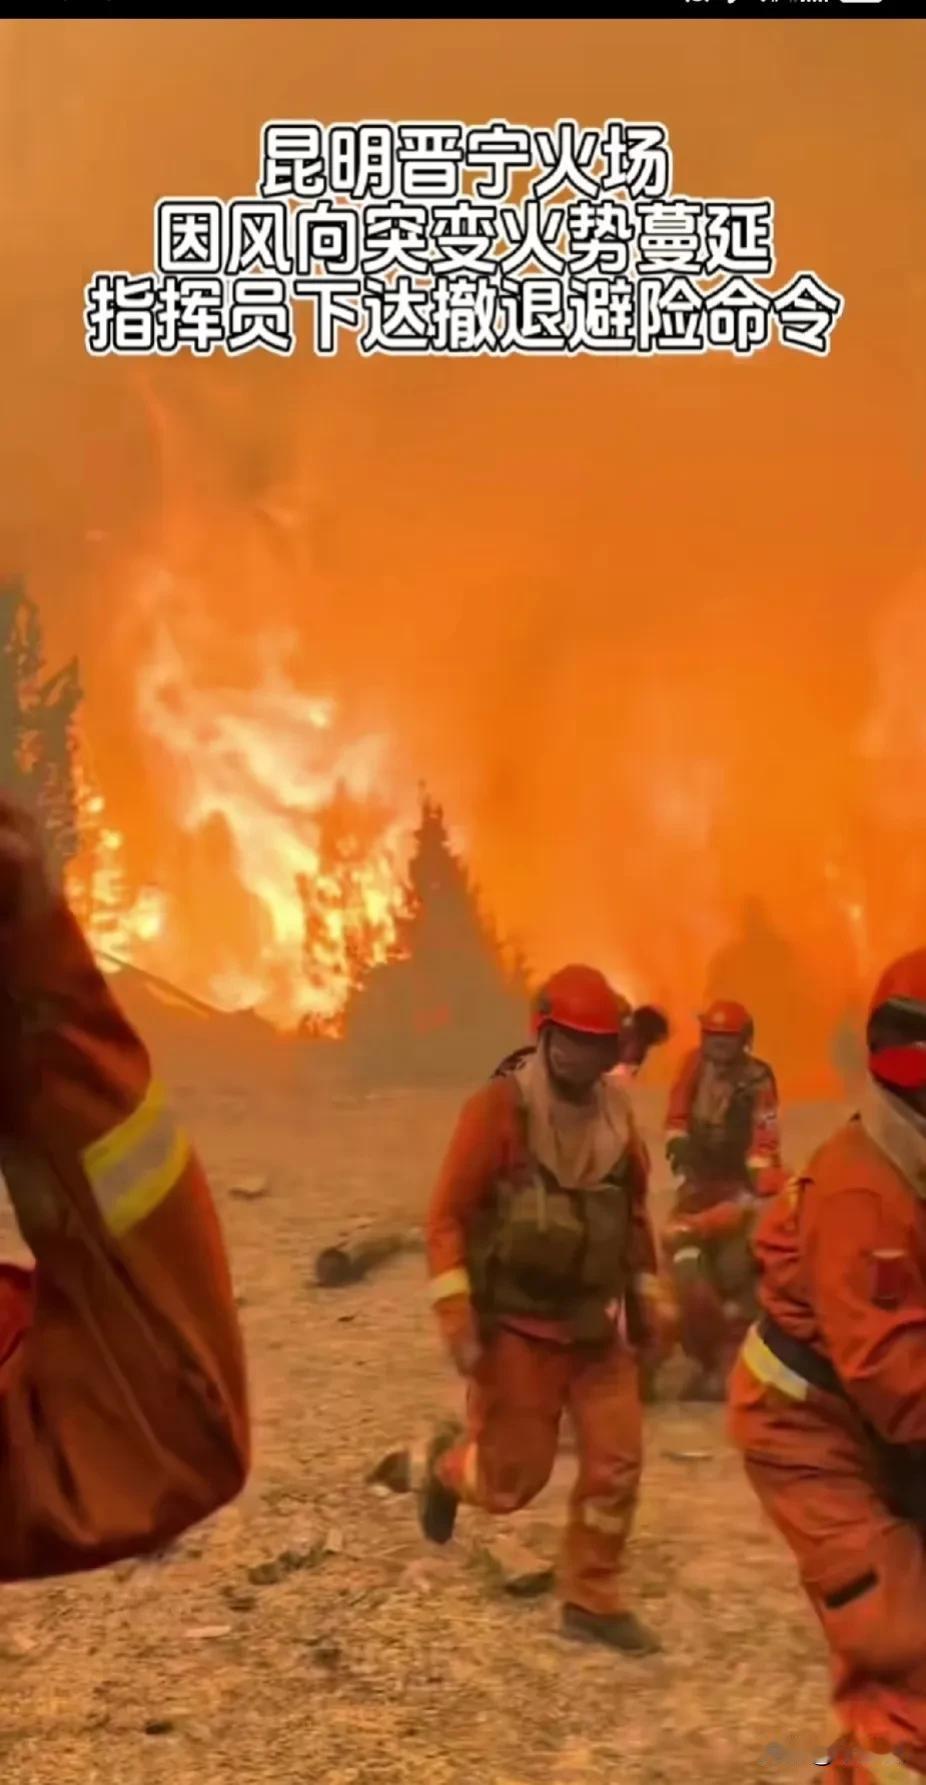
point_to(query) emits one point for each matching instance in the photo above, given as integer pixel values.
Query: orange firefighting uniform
(842, 1255)
(530, 1372)
(123, 1407)
(717, 1202)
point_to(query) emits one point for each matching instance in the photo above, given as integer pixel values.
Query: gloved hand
(678, 1154)
(460, 1332)
(771, 1180)
(653, 1319)
(720, 1222)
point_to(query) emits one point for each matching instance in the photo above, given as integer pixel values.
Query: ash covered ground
(307, 1633)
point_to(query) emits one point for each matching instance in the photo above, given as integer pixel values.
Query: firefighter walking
(722, 1146)
(828, 1398)
(123, 1403)
(544, 1280)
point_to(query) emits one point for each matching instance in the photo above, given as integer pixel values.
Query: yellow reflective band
(767, 1368)
(756, 1163)
(470, 1474)
(886, 1769)
(132, 1168)
(449, 1283)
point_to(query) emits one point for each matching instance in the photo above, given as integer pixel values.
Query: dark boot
(649, 1381)
(438, 1505)
(619, 1630)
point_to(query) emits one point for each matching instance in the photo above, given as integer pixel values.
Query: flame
(288, 883)
(116, 924)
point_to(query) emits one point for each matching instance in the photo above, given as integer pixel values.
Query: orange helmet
(897, 1024)
(725, 1017)
(580, 998)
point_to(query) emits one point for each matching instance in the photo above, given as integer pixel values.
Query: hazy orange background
(654, 632)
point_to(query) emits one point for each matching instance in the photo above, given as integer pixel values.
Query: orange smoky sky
(653, 631)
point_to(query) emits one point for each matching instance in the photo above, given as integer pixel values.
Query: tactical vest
(540, 1251)
(721, 1150)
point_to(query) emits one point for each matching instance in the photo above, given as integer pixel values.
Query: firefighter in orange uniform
(828, 1398)
(543, 1276)
(722, 1144)
(123, 1406)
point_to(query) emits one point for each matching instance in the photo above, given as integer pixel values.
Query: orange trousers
(515, 1404)
(863, 1569)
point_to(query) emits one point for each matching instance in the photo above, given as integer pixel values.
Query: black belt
(800, 1357)
(901, 1467)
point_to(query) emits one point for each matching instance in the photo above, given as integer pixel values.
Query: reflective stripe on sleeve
(686, 1253)
(455, 1282)
(135, 1166)
(676, 1134)
(767, 1368)
(757, 1162)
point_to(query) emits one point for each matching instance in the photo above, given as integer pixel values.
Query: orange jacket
(842, 1255)
(123, 1405)
(488, 1144)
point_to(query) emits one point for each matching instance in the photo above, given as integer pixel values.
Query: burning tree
(452, 999)
(37, 714)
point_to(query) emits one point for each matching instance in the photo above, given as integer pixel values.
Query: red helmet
(580, 998)
(725, 1017)
(897, 1024)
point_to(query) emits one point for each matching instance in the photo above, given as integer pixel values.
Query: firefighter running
(722, 1146)
(543, 1271)
(828, 1398)
(123, 1406)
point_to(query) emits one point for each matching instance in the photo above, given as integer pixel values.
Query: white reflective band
(132, 1168)
(449, 1283)
(675, 1134)
(767, 1368)
(756, 1163)
(600, 1515)
(886, 1769)
(686, 1253)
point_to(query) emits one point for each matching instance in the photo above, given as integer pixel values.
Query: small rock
(265, 1574)
(249, 1189)
(518, 1570)
(207, 1632)
(688, 1456)
(325, 1651)
(334, 1542)
(381, 1492)
(239, 1599)
(160, 1726)
(302, 1553)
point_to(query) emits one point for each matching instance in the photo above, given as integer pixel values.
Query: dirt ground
(376, 1660)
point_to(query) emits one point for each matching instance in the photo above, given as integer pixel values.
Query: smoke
(620, 617)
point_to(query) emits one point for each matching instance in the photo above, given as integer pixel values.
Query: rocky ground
(306, 1634)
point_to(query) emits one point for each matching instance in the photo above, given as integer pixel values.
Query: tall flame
(287, 881)
(117, 924)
